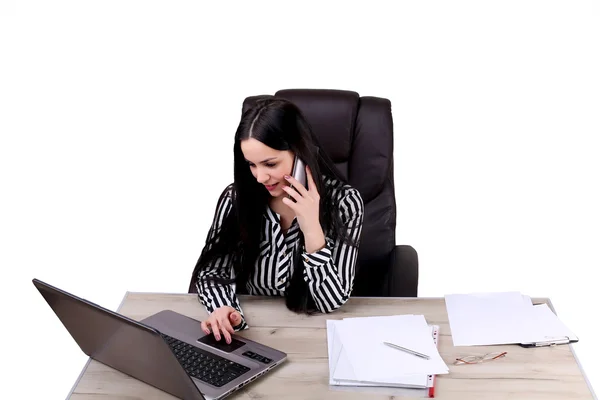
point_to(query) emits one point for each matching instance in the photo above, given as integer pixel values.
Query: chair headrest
(330, 113)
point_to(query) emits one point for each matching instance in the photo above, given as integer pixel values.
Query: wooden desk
(540, 373)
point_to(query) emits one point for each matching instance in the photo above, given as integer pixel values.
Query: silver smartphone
(299, 171)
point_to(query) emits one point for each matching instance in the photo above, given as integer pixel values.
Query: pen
(407, 350)
(431, 386)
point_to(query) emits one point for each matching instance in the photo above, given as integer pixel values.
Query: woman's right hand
(222, 321)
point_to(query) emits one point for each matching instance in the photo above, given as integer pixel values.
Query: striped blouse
(329, 271)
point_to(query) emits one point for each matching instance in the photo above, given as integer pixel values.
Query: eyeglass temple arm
(493, 358)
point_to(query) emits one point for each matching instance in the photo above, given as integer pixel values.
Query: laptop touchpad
(221, 344)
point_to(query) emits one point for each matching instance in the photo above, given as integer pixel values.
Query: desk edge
(587, 381)
(89, 358)
(358, 297)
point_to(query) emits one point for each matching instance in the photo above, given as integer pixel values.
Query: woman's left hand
(306, 208)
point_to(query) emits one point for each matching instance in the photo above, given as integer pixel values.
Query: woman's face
(268, 165)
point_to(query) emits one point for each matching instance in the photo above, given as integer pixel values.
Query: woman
(272, 239)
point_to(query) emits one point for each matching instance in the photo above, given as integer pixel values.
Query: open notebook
(358, 358)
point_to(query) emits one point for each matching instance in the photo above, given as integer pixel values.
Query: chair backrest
(357, 133)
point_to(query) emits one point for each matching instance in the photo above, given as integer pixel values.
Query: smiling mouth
(270, 187)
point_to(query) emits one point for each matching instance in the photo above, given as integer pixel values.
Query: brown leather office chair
(357, 132)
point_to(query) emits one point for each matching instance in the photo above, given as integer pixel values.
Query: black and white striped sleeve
(215, 294)
(329, 272)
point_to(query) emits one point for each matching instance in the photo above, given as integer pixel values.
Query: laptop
(167, 350)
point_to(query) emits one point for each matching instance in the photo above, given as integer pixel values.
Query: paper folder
(420, 385)
(483, 319)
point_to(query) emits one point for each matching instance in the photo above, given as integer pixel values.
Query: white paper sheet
(357, 355)
(499, 318)
(549, 325)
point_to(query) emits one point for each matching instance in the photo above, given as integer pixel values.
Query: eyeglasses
(479, 359)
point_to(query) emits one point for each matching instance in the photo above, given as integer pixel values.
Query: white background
(117, 121)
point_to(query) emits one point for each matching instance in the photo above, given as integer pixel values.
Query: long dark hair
(278, 124)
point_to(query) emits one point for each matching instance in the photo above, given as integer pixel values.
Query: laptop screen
(120, 342)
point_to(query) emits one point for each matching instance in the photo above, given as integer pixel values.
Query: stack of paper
(503, 318)
(359, 357)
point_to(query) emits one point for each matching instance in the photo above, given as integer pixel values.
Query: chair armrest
(403, 277)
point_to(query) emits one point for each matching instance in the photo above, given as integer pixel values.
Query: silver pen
(416, 353)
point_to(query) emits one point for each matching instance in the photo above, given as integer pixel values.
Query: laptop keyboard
(203, 365)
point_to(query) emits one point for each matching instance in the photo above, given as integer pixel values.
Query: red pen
(431, 378)
(431, 384)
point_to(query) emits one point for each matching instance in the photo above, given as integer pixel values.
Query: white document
(499, 318)
(548, 326)
(358, 357)
(338, 359)
(486, 318)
